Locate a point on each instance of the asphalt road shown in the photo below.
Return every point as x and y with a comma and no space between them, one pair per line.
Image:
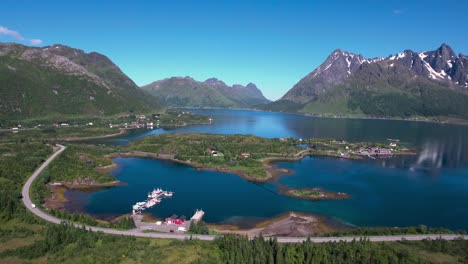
28,203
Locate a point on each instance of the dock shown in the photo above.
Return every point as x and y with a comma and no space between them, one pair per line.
154,198
197,217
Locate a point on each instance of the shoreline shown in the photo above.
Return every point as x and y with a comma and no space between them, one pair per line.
290,224
271,171
74,139
454,121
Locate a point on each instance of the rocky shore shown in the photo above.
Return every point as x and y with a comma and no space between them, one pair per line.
291,224
312,194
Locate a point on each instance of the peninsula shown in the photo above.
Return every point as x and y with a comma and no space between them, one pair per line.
251,157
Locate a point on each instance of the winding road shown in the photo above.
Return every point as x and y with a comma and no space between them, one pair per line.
29,205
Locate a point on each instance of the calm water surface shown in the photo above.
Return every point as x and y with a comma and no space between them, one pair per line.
430,188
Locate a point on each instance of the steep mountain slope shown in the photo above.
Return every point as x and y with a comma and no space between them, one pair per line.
61,80
243,96
407,84
187,92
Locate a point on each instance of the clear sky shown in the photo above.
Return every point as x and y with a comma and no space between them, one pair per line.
270,43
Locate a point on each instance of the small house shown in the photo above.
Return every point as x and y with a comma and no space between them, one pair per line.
245,155
180,220
213,152
171,220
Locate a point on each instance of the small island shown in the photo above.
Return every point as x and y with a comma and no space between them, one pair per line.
312,194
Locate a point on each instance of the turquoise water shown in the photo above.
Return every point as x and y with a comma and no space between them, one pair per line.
430,188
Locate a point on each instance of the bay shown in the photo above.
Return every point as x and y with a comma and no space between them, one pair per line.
430,188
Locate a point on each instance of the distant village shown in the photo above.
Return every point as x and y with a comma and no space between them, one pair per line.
132,122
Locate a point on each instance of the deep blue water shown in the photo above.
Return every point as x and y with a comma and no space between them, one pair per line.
430,188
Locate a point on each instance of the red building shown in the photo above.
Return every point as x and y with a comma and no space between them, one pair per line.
175,220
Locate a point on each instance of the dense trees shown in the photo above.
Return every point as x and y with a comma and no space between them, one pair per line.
199,228
236,249
65,243
17,160
68,244
388,231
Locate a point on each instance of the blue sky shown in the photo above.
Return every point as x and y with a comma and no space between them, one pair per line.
270,43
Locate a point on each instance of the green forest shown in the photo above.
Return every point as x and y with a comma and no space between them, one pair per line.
67,244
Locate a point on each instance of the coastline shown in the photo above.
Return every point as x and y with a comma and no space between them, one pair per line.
74,139
272,175
272,171
455,121
451,121
291,224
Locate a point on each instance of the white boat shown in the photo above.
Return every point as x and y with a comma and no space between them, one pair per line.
155,193
150,203
154,198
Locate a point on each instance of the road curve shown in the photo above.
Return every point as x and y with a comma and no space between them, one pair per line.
28,203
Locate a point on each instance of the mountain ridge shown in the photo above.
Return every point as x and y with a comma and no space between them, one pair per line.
57,79
342,82
187,92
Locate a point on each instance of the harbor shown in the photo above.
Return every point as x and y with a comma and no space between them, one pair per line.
172,224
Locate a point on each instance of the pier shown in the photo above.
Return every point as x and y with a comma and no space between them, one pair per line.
154,198
197,217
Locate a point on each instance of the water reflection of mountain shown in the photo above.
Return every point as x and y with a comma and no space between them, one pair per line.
447,153
433,156
439,145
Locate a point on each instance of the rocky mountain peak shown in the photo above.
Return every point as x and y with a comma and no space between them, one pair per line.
441,65
214,82
237,86
338,67
251,86
446,52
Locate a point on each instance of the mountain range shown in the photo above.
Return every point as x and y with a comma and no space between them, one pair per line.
59,80
187,92
430,83
39,82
